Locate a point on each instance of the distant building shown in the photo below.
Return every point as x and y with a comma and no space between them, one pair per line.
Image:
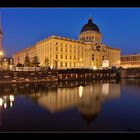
130,61
7,63
63,53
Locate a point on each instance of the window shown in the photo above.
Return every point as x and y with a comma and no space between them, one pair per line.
65,64
61,49
56,64
70,49
93,57
56,56
56,43
61,56
61,64
70,57
66,57
74,50
56,48
74,57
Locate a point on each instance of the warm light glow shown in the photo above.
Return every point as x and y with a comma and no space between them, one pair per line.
5,105
1,101
51,66
94,67
105,89
11,104
80,91
1,53
11,97
105,63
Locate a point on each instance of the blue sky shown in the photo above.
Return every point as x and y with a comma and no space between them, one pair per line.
22,27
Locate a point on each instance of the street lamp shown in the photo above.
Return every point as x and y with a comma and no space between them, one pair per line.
1,53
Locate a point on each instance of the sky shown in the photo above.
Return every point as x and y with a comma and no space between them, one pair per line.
23,27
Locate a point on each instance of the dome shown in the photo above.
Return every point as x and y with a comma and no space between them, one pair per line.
90,26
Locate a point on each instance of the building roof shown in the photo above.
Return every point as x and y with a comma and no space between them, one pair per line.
136,54
90,26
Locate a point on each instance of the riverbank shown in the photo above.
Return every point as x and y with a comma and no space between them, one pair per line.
55,75
130,73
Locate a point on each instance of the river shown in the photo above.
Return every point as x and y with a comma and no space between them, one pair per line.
97,106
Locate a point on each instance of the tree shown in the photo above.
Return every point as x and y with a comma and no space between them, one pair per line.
27,62
19,65
55,63
47,62
35,62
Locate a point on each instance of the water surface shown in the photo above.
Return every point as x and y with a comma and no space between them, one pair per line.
74,106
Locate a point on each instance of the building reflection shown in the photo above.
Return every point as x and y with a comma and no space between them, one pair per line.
7,101
87,98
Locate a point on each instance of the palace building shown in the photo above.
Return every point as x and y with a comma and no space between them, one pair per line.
130,61
62,53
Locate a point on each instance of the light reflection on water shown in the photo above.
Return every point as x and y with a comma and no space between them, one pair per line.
42,107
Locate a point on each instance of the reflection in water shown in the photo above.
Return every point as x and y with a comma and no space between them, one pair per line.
7,101
86,98
80,91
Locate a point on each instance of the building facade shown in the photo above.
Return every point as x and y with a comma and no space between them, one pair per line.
130,61
62,53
